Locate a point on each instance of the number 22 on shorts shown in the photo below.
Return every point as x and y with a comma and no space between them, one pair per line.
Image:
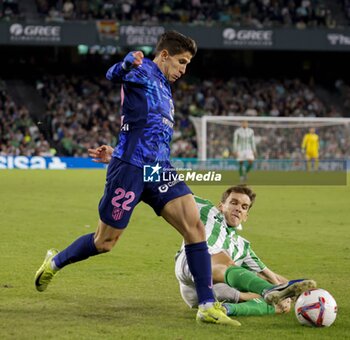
128,197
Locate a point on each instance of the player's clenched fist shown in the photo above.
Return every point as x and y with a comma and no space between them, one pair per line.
132,59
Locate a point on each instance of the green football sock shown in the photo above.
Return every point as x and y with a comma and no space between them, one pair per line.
248,167
245,281
254,307
240,169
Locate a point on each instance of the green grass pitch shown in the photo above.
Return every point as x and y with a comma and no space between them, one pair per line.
132,293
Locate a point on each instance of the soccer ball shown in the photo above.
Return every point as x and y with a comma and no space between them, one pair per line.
316,308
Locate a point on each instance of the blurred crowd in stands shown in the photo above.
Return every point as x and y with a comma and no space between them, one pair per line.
81,113
251,13
251,97
84,112
254,13
9,10
344,92
19,134
346,5
240,97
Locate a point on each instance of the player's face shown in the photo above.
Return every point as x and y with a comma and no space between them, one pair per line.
235,208
174,66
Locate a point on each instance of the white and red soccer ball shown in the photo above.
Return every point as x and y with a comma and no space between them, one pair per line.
316,308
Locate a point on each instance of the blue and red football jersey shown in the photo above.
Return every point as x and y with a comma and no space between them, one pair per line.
147,114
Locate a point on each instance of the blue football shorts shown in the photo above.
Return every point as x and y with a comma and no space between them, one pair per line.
125,188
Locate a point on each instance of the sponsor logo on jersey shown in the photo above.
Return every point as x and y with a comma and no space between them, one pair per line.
165,187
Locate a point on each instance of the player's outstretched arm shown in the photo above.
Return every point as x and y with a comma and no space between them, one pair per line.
272,277
132,60
102,154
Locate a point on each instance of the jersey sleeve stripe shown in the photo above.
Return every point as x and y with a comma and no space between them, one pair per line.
214,234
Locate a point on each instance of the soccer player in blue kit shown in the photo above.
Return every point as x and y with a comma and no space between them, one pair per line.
146,131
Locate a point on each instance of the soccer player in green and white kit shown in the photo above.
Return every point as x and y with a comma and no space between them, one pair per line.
233,210
234,263
244,149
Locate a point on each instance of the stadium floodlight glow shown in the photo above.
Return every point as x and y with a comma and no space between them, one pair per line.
111,49
83,49
147,50
218,131
98,49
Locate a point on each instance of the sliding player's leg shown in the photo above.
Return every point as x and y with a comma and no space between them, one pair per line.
236,303
246,281
254,307
222,293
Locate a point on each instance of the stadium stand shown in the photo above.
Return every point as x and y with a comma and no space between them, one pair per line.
19,135
9,10
83,112
77,124
344,91
93,119
256,13
346,6
253,97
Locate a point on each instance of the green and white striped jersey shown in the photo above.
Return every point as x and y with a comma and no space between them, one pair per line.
221,237
243,140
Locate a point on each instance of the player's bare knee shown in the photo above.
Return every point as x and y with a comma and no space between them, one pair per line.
101,246
106,237
104,245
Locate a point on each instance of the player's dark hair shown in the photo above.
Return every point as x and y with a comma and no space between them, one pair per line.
176,43
239,189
